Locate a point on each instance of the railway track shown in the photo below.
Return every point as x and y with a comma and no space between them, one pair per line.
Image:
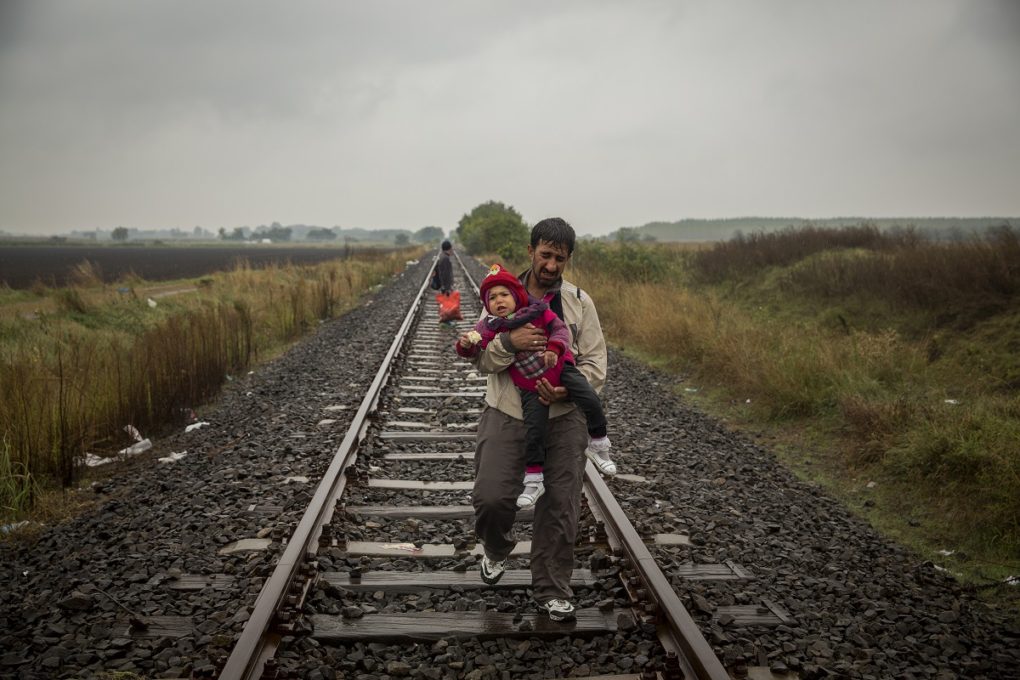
406,464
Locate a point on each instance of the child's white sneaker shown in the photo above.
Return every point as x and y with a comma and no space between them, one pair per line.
598,454
534,487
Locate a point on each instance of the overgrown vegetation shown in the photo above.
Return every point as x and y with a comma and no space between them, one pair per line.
102,357
900,354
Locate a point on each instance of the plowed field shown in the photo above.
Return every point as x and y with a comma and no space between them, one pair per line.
21,266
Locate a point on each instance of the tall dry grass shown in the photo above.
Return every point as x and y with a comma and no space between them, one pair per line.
878,393
72,379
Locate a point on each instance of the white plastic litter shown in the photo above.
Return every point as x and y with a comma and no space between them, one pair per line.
946,553
93,460
152,303
1012,581
8,528
173,457
690,389
133,431
871,485
297,479
951,401
195,426
410,547
134,449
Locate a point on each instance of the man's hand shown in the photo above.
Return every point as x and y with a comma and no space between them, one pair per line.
547,394
527,338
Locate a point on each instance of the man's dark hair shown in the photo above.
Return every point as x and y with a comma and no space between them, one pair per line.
553,230
447,245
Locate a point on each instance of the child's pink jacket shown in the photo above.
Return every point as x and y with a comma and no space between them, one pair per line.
528,366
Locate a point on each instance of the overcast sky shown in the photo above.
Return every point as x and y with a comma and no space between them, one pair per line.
389,114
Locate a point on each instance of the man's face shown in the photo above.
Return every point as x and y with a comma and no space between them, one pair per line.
548,260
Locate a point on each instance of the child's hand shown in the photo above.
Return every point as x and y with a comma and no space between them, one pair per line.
464,341
550,358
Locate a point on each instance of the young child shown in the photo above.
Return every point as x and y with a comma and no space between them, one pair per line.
508,307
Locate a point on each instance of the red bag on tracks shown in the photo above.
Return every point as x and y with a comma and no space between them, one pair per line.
449,306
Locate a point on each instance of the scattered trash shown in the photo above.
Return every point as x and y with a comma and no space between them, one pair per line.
871,485
245,544
152,303
195,426
326,422
1012,580
410,547
92,460
951,401
411,263
8,528
690,389
173,457
143,445
133,431
229,378
748,401
945,553
251,372
299,479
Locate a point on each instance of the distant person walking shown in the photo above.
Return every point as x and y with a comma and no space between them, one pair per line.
445,269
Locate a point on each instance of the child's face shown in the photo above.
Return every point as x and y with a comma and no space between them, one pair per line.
501,302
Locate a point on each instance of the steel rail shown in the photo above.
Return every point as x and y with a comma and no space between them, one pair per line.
677,630
246,659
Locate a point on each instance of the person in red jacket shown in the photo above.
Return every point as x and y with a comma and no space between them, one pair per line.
509,307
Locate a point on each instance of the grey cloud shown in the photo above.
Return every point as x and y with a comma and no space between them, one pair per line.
401,114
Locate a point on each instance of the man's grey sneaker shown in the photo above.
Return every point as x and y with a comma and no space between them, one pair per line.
534,487
492,570
559,610
598,454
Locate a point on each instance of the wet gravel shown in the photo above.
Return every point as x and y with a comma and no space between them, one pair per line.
860,607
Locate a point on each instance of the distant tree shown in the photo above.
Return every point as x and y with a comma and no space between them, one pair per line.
493,228
276,232
627,235
223,233
402,239
320,234
236,235
428,235
119,234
